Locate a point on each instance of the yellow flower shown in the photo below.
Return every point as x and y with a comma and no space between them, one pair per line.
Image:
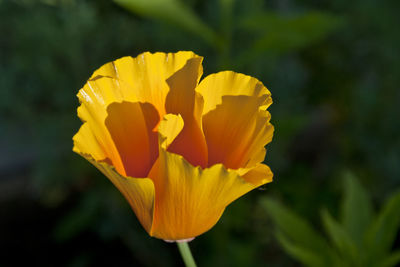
180,151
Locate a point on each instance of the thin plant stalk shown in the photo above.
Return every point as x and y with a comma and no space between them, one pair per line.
186,254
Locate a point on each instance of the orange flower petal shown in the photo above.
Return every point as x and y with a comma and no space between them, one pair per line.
85,142
182,99
93,138
131,126
234,142
214,86
139,192
257,175
235,123
146,74
189,200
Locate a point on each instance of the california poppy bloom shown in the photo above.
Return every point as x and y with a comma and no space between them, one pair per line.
179,149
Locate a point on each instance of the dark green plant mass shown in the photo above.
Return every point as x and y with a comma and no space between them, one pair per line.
362,236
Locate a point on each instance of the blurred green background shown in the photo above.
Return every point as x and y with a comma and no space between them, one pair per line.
333,68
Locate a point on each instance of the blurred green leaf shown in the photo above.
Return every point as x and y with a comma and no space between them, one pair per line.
308,257
285,33
355,242
296,229
226,14
340,238
226,31
356,209
391,260
172,11
382,233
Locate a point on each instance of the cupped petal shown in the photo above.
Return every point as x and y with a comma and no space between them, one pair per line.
146,74
189,200
97,94
170,127
139,192
182,99
215,86
124,135
235,121
182,84
257,175
93,138
132,128
86,143
236,132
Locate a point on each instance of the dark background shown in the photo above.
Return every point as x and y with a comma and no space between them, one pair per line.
333,68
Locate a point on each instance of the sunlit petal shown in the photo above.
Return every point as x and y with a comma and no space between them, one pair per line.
93,138
226,83
139,192
257,175
190,200
146,74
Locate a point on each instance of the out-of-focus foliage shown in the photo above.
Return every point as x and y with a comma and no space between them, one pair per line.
172,11
333,68
360,238
295,31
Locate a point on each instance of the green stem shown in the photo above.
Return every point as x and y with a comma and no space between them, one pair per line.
186,254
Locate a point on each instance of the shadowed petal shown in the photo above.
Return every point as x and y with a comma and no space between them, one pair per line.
182,99
118,133
132,128
237,131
